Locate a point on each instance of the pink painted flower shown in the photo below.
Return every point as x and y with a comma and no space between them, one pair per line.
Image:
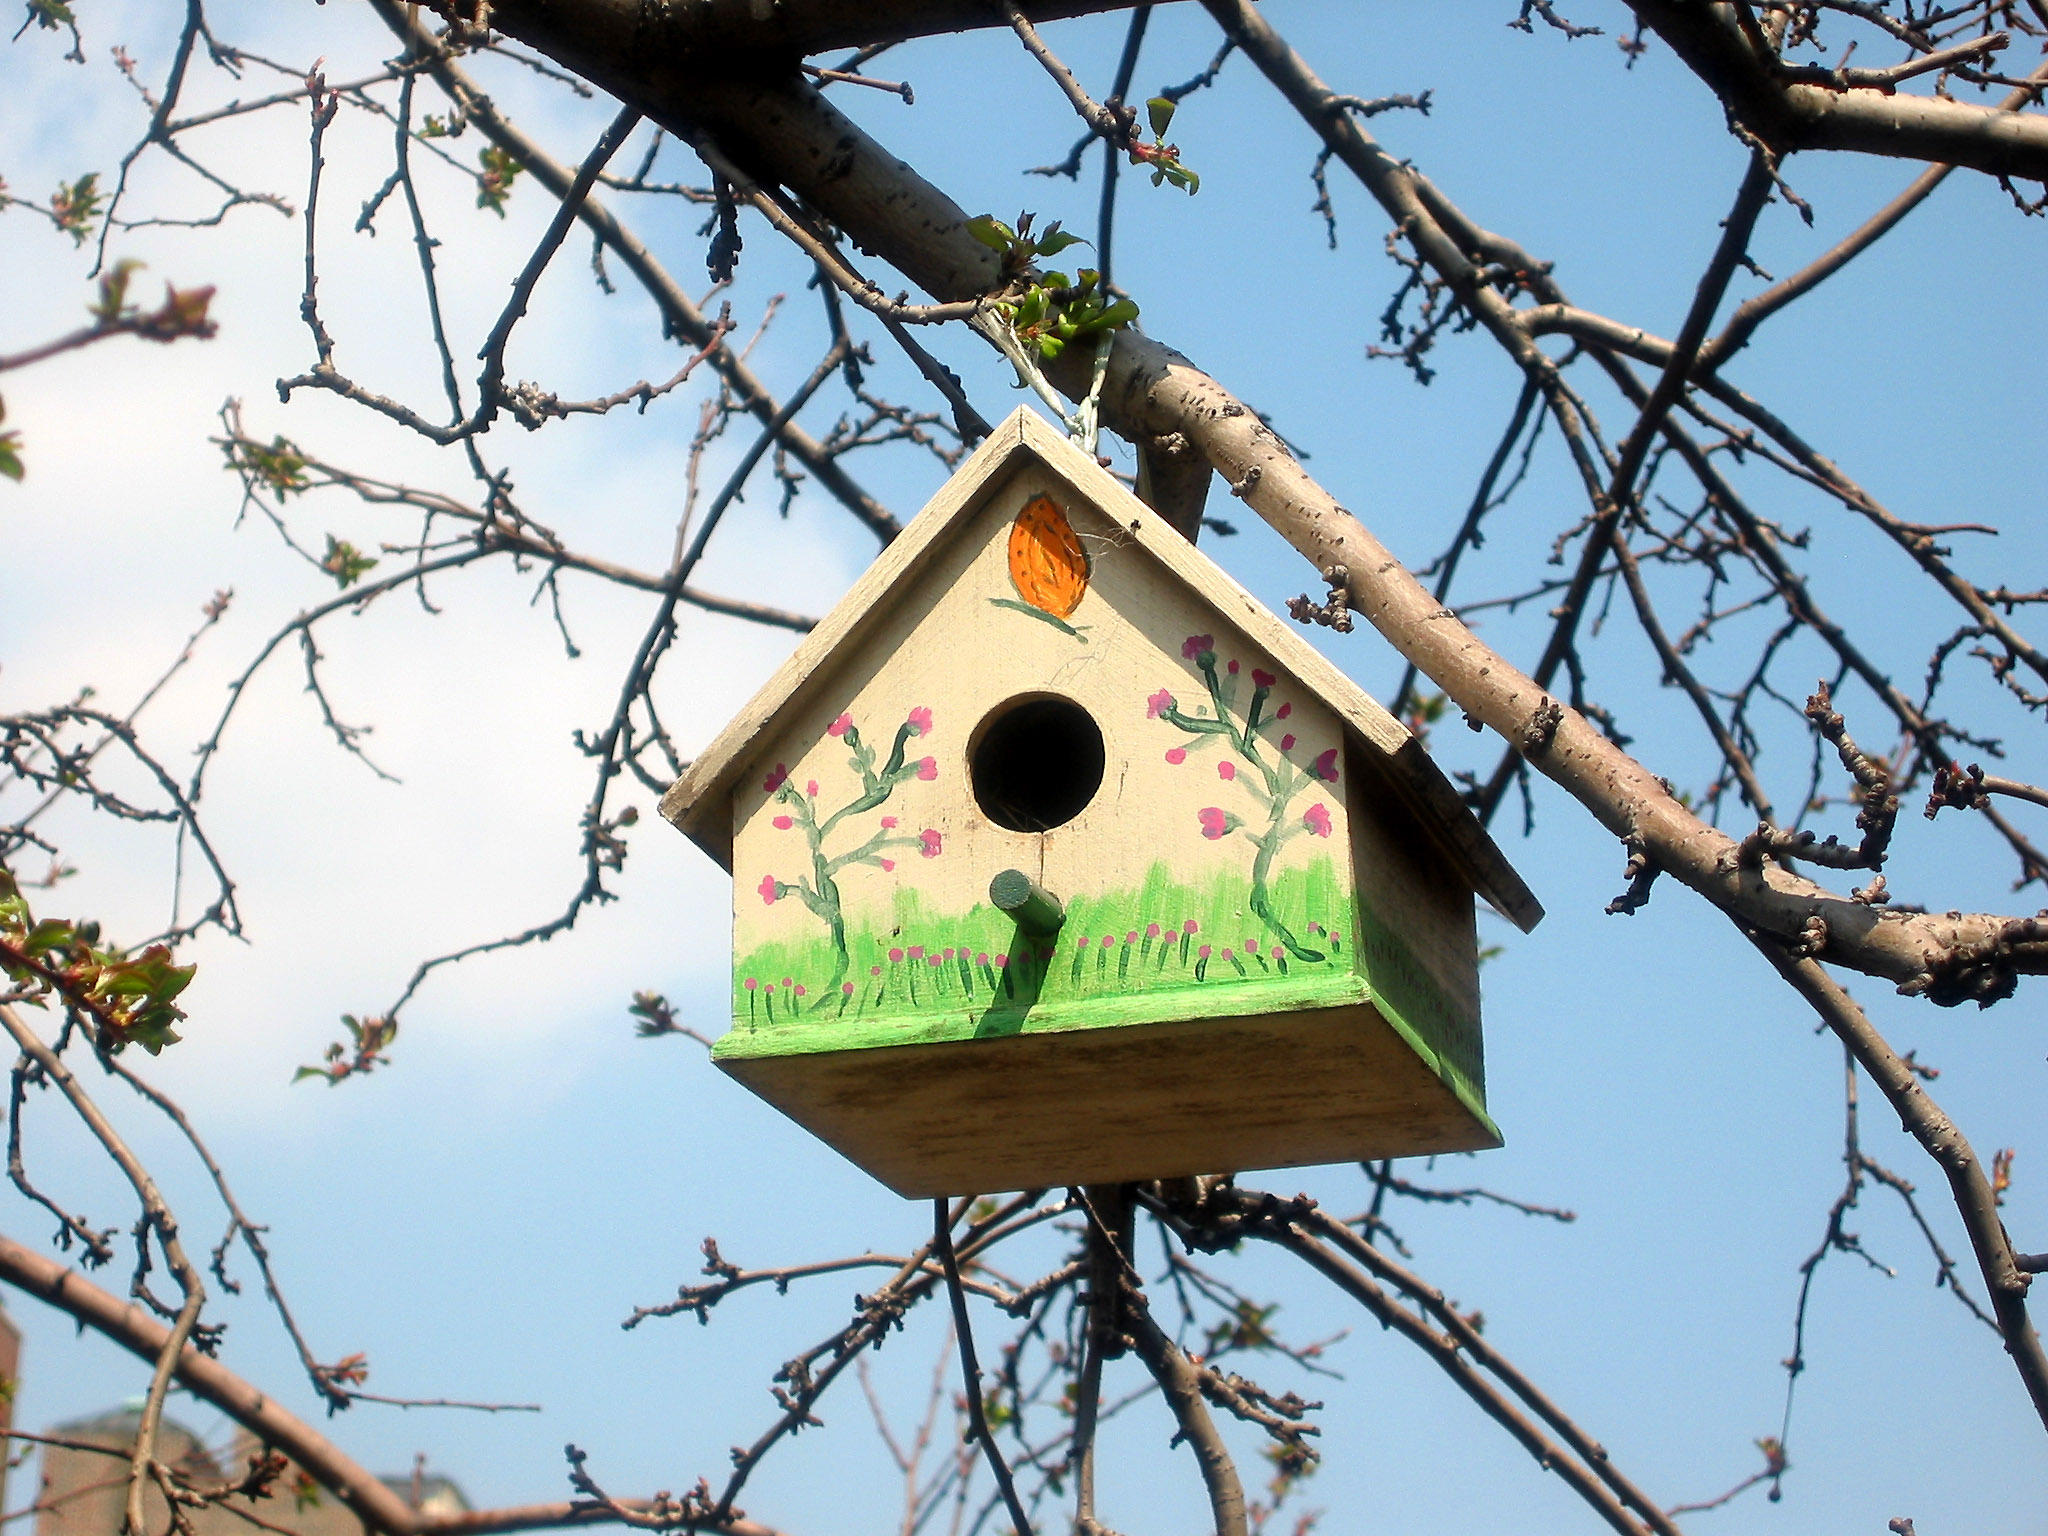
1232,669
768,890
928,843
798,988
1277,952
917,951
933,960
927,768
777,777
1194,645
920,721
1082,942
949,951
1283,711
787,983
888,823
753,982
1151,930
1226,769
1251,946
1002,962
811,788
1287,742
1131,937
1158,704
846,987
981,959
1216,822
887,865
1108,939
1326,765
895,956
1202,953
1262,678
876,970
783,823
1191,926
1176,755
1317,819
840,726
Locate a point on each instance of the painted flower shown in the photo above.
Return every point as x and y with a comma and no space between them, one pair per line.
753,983
895,956
1224,770
1251,946
1131,937
1158,704
920,721
840,726
1317,819
783,823
1002,962
917,951
846,987
1232,668
1108,939
888,823
1202,953
1326,765
1176,755
874,970
798,989
981,959
1218,823
1287,742
768,889
811,788
1151,930
927,768
887,865
777,777
1194,645
1283,711
1263,679
928,843
1191,926
933,960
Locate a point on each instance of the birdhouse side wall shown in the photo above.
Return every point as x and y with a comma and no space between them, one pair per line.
1209,874
1417,931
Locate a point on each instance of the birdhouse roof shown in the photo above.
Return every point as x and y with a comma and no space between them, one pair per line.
700,802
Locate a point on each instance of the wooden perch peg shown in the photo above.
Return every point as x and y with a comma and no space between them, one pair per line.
1035,908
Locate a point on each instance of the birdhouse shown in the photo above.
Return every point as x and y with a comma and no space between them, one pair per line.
1058,859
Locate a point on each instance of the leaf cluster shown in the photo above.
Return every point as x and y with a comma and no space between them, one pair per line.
129,1000
1051,309
368,1040
1162,157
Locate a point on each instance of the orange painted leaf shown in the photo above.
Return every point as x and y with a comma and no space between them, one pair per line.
1047,561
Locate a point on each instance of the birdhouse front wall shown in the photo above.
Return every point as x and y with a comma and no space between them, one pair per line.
1207,874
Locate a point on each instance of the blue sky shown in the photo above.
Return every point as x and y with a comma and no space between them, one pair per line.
478,1218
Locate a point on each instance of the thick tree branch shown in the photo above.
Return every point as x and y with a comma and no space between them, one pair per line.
377,1506
1788,115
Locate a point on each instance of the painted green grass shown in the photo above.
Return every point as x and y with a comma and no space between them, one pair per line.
1165,950
1164,936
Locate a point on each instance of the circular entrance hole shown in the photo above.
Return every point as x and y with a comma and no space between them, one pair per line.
1035,762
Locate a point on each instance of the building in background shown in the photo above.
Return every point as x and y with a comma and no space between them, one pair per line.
83,1489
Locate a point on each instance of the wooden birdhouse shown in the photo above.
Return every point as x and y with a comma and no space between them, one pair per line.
1059,859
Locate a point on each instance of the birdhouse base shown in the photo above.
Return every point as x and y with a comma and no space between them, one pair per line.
1140,1101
